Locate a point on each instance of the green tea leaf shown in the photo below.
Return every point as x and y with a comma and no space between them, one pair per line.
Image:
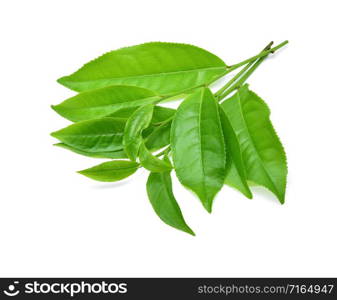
98,103
137,122
159,137
111,171
162,67
159,191
262,151
198,146
112,154
236,173
99,135
151,162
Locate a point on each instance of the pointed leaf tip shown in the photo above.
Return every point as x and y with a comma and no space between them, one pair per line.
61,80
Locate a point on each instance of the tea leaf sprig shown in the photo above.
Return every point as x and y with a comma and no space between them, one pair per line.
211,139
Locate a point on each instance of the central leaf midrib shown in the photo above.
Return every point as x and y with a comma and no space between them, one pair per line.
201,152
93,134
110,170
150,75
112,104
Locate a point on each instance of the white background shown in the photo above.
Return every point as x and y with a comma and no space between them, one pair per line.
54,222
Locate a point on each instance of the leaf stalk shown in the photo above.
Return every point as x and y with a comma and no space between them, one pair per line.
253,58
249,62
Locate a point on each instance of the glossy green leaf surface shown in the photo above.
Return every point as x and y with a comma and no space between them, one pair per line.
111,171
236,174
151,162
198,146
165,68
160,113
159,137
159,191
100,135
111,155
137,122
262,151
99,103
